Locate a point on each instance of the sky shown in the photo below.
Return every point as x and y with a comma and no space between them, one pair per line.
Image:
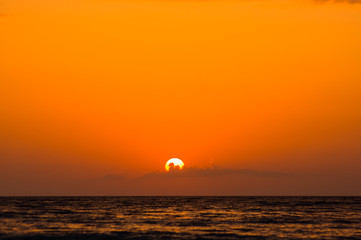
257,97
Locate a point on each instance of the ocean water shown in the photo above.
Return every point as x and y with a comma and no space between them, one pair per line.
180,217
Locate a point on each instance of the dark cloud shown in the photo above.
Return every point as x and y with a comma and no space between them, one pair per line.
212,171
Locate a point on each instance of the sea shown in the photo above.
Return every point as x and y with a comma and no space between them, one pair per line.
180,218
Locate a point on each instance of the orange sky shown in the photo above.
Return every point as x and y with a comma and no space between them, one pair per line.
90,89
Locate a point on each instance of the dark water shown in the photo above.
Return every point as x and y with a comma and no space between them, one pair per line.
180,217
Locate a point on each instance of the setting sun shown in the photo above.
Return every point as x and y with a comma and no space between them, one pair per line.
258,98
174,163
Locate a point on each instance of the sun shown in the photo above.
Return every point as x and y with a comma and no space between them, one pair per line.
174,163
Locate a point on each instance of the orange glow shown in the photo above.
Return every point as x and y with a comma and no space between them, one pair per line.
174,163
96,87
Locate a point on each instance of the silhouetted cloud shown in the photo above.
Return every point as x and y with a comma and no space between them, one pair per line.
212,171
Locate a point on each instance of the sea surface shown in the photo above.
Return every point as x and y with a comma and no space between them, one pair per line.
180,218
